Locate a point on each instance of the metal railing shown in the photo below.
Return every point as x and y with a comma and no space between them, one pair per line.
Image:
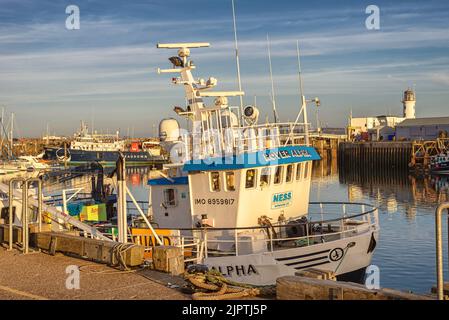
317,232
25,218
439,248
201,241
239,140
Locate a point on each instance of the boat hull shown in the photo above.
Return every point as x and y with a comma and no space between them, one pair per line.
347,257
104,157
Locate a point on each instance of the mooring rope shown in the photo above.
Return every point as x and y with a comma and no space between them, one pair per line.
221,288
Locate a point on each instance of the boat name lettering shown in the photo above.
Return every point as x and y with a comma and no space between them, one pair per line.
285,154
241,270
281,200
215,201
279,197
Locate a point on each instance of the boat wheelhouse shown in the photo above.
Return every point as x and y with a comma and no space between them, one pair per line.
236,194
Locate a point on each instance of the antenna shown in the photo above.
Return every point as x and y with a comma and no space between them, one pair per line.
239,81
273,95
1,132
182,45
303,98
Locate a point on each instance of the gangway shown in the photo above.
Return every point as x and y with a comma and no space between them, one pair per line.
56,214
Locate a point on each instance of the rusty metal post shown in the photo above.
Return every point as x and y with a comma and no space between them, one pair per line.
439,249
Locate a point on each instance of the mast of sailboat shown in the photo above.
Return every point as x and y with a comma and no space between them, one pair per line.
239,81
273,95
2,128
48,133
303,98
11,139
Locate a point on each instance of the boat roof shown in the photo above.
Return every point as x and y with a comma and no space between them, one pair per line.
423,122
165,181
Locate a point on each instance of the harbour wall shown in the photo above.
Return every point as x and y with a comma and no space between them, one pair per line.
375,155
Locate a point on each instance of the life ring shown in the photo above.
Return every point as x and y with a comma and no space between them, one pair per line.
62,158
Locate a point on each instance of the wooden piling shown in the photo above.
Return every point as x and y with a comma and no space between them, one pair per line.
375,155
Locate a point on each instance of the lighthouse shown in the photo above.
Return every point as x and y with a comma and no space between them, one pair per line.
409,102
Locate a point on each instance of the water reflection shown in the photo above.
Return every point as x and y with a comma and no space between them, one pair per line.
56,181
407,203
394,190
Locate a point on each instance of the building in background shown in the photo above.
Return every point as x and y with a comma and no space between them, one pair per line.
423,128
382,127
409,102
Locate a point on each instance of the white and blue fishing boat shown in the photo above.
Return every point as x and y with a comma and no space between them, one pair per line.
236,194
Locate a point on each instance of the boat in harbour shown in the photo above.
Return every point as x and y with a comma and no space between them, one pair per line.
235,196
102,148
439,164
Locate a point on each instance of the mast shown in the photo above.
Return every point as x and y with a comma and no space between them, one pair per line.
11,139
2,128
239,81
48,133
303,98
273,95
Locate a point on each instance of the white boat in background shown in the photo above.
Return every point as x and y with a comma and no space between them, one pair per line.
32,163
236,195
22,163
11,166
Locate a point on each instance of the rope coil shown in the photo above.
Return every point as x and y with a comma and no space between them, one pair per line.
221,288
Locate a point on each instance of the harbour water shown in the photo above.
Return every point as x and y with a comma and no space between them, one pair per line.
405,253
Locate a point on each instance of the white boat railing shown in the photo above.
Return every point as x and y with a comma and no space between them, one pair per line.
206,242
239,140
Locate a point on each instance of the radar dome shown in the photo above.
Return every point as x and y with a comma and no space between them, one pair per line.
169,130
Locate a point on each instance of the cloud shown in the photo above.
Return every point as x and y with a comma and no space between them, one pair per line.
112,59
440,78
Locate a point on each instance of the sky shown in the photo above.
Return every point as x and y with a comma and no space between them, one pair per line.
105,72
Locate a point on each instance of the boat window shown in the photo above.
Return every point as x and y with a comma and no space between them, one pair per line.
306,170
170,198
289,174
250,179
230,181
298,171
265,176
215,181
278,175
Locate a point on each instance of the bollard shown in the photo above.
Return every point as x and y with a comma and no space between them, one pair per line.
439,249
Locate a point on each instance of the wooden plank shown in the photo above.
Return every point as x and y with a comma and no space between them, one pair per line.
303,288
168,259
16,233
317,274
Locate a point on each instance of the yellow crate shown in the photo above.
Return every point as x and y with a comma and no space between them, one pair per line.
95,212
